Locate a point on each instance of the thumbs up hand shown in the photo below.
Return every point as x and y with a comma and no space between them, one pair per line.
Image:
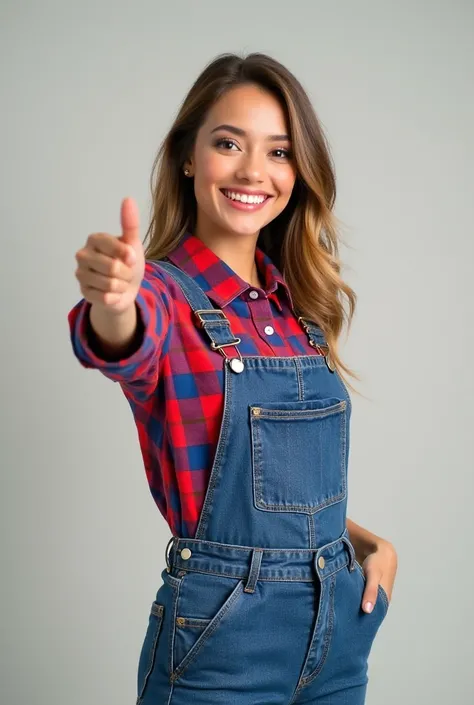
110,268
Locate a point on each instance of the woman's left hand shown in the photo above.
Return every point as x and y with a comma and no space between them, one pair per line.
379,567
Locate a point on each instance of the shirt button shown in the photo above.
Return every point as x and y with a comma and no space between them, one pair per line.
269,330
253,294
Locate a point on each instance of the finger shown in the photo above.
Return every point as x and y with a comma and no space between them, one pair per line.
96,296
130,222
111,246
101,281
369,597
94,261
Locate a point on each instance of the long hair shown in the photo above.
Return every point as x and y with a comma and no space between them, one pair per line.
303,240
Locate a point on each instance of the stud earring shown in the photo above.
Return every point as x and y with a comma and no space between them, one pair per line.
186,172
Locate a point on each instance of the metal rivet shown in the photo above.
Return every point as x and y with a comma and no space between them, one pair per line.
321,562
256,411
185,554
180,621
236,365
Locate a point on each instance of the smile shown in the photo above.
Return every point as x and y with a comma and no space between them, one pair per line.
245,201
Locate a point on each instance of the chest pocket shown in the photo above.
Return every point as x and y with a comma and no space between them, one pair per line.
299,454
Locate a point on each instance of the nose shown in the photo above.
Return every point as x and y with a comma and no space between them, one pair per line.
251,168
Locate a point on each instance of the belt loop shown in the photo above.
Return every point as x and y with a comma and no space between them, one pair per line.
257,554
167,553
352,560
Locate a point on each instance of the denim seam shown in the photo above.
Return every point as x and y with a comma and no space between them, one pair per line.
207,633
153,646
327,638
300,380
243,577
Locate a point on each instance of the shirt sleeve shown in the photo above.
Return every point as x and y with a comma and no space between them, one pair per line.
140,369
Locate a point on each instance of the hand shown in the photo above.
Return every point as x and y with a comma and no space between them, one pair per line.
110,269
380,567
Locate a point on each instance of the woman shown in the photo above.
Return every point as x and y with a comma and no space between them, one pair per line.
223,336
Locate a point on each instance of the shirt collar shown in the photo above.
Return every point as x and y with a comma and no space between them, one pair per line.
218,281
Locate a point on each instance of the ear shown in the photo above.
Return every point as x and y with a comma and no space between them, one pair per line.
188,166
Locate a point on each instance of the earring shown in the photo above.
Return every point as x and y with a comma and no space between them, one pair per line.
186,172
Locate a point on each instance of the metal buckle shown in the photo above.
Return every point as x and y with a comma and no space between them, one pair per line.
301,321
225,345
208,310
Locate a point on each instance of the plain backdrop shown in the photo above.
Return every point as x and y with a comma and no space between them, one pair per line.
88,90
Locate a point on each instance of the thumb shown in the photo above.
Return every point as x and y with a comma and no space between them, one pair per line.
130,222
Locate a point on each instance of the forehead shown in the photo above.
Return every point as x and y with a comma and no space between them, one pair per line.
249,107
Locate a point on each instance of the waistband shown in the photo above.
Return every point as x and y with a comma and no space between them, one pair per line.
255,563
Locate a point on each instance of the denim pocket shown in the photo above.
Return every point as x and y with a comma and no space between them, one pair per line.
299,454
148,651
382,597
203,603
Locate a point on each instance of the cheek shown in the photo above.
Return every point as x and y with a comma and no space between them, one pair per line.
212,169
285,184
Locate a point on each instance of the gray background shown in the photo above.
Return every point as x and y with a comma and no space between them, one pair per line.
88,91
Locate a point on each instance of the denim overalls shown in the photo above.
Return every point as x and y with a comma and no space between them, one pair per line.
263,605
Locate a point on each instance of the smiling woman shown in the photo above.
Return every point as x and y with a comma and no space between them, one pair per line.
248,158
223,335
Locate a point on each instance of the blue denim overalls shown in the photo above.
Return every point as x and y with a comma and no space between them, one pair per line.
263,605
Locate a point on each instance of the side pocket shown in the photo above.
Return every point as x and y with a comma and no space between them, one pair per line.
148,652
382,597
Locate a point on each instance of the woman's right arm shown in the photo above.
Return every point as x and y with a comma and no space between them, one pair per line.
120,325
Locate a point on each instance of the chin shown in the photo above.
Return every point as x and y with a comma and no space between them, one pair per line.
240,227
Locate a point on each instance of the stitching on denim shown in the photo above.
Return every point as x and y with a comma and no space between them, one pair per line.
208,631
243,577
191,622
174,609
257,455
311,531
158,616
327,637
295,414
300,380
267,550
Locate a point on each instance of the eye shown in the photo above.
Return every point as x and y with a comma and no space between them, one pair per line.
285,153
224,142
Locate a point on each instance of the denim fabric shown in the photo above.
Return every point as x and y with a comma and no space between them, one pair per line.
263,605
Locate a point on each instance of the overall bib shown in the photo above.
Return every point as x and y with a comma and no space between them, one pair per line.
263,605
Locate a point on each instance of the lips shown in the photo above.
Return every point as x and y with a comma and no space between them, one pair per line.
237,204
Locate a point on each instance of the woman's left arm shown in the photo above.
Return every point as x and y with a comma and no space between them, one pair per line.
379,560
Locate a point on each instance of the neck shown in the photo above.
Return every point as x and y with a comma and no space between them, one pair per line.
238,252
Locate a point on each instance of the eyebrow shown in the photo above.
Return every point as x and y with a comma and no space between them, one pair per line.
241,133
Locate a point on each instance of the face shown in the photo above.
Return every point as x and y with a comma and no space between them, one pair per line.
242,165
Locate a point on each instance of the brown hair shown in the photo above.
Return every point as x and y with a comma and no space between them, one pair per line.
303,240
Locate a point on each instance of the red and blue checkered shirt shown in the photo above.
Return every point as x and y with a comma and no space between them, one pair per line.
174,382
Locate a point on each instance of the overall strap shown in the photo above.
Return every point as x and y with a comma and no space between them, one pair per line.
211,319
216,325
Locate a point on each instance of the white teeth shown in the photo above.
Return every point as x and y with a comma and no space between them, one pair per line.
243,197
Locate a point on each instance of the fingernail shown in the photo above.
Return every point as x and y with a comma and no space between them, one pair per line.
368,607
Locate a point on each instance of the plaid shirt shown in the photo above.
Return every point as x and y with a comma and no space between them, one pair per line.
174,382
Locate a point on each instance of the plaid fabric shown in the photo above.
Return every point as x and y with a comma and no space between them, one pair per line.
174,382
